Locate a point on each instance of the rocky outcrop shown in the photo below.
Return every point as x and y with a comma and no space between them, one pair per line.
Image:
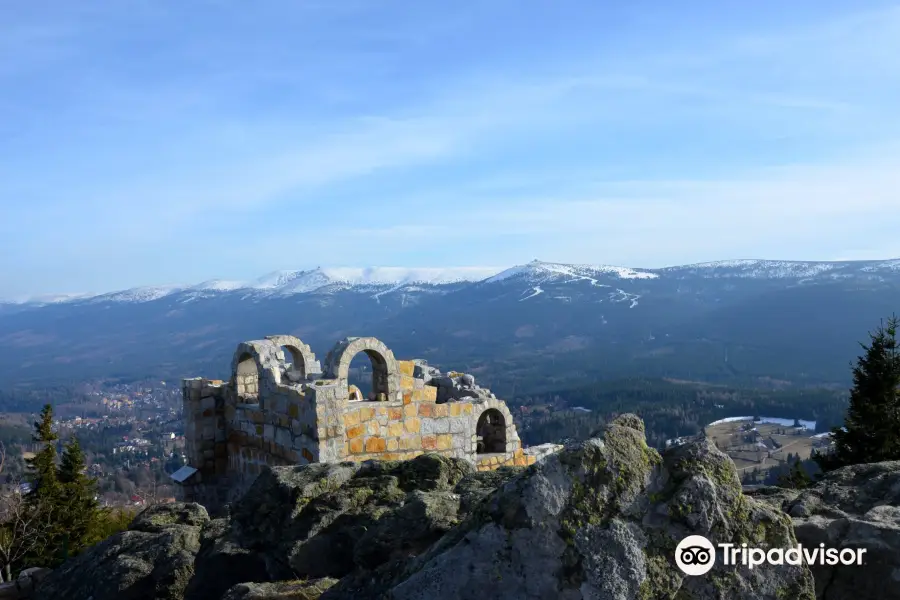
853,507
598,520
601,520
23,587
153,560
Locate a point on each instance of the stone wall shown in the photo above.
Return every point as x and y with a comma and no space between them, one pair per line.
279,412
205,432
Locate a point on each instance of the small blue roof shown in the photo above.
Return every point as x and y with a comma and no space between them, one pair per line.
183,474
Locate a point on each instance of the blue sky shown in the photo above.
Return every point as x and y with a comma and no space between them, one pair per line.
162,141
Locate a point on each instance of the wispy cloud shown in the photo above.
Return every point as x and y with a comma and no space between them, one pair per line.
243,134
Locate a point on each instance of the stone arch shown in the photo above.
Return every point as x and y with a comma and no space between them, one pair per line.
303,359
246,376
385,370
490,432
254,366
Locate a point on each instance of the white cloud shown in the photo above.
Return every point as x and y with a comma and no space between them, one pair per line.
195,168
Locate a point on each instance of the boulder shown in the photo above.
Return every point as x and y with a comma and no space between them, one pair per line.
408,530
280,590
131,565
477,486
599,519
29,579
222,562
853,507
158,517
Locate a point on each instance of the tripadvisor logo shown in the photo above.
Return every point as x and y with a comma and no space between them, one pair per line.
696,555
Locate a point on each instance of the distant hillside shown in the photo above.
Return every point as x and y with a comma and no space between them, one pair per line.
536,326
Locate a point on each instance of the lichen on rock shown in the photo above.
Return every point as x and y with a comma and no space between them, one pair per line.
599,519
856,507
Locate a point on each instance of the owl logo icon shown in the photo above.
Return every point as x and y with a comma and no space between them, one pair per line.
695,555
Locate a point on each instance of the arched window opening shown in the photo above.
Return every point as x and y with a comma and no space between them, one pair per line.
491,432
247,378
369,377
294,363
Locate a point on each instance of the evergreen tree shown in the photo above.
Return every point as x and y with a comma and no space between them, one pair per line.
796,478
78,496
42,502
871,431
42,468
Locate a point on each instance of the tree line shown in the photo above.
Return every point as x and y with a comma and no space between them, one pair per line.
54,514
669,409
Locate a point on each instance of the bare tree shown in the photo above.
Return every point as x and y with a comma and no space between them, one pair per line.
152,492
24,528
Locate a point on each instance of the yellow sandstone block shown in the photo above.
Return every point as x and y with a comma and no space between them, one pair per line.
395,414
381,411
355,432
351,419
441,410
444,441
426,410
366,414
429,442
356,446
411,443
410,410
455,409
395,429
407,382
393,444
375,445
412,425
407,367
467,408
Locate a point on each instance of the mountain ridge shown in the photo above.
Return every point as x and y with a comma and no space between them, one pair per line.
289,282
538,325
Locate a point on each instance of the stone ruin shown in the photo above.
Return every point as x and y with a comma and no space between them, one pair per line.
282,408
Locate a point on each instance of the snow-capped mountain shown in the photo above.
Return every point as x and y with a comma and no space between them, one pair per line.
286,283
780,269
376,280
542,271
786,320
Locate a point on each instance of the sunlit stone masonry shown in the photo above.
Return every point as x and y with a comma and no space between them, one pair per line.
282,408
